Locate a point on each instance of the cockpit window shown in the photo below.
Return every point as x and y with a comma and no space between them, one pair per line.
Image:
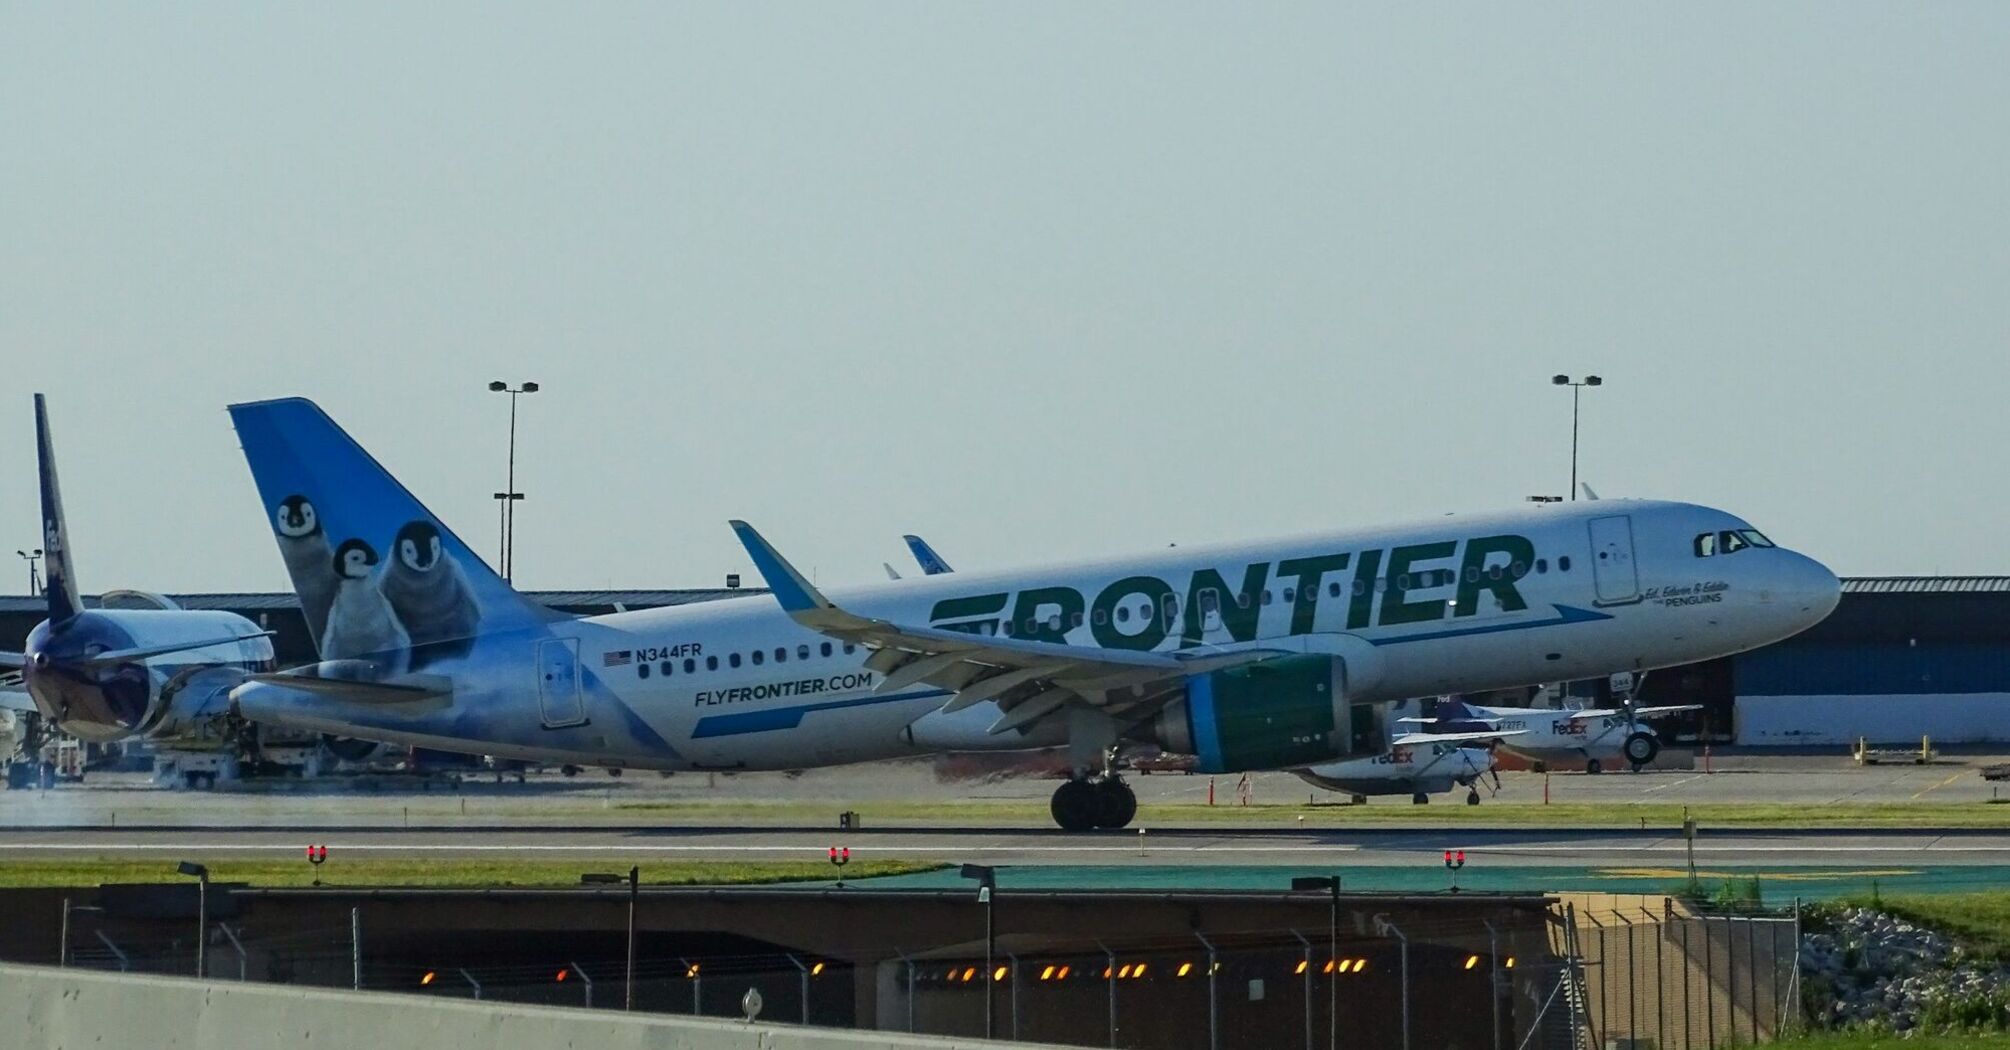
1706,545
1731,542
1755,537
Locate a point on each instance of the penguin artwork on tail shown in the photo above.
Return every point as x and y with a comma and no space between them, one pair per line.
361,622
309,559
430,594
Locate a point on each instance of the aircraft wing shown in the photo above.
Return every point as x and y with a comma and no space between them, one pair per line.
1427,721
14,692
1027,679
1419,739
1638,712
13,661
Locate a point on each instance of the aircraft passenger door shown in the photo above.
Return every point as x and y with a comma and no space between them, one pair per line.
1616,578
558,683
1208,604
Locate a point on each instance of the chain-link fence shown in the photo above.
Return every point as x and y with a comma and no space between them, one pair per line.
1676,979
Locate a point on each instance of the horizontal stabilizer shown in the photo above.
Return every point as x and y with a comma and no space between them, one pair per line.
403,689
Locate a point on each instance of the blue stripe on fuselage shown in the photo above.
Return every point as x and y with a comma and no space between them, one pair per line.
775,718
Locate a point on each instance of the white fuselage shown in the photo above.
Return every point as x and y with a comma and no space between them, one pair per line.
1462,603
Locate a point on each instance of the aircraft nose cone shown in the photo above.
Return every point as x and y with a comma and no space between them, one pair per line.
1813,590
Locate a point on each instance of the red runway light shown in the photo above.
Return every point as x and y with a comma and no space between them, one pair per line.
560,977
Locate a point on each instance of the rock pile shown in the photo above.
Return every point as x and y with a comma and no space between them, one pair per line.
1884,971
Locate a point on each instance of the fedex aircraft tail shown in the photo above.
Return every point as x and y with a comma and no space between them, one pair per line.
378,576
59,576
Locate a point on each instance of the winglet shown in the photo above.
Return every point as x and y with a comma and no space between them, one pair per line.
931,563
59,578
796,594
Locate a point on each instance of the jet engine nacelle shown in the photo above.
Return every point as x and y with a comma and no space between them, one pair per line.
1282,713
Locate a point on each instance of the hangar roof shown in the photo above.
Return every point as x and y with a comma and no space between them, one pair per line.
16,603
1926,585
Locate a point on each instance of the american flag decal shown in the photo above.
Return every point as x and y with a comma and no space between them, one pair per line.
617,658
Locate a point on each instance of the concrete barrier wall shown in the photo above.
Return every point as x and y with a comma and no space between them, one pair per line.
51,1008
1950,718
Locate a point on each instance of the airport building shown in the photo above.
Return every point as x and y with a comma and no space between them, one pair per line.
1901,657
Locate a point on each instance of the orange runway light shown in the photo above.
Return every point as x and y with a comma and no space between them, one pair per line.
1063,975
427,979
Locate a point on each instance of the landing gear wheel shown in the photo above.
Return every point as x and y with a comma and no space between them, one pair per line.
1641,748
1116,804
1419,799
1594,767
1472,796
1075,806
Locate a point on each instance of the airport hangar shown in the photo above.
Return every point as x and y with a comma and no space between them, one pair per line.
1901,657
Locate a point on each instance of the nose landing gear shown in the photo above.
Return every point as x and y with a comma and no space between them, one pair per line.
1084,805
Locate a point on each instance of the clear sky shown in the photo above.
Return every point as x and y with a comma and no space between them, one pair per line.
1032,280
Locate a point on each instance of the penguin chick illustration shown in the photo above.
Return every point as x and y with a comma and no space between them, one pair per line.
309,561
361,623
430,594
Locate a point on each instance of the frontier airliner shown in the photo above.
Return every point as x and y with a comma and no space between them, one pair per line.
1248,656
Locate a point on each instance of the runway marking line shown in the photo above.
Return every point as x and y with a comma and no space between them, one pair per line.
1940,785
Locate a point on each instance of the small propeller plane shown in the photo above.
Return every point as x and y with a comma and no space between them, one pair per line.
1419,764
1590,736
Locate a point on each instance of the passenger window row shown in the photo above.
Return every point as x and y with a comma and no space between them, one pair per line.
758,657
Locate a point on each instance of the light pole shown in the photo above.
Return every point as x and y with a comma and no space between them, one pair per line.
509,496
201,914
987,886
1576,388
634,880
1331,884
34,576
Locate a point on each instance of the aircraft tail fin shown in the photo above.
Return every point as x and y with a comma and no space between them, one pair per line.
59,577
378,574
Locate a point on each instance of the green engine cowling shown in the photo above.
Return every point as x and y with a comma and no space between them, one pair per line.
1281,713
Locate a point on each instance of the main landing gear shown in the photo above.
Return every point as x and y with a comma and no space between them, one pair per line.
1084,805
